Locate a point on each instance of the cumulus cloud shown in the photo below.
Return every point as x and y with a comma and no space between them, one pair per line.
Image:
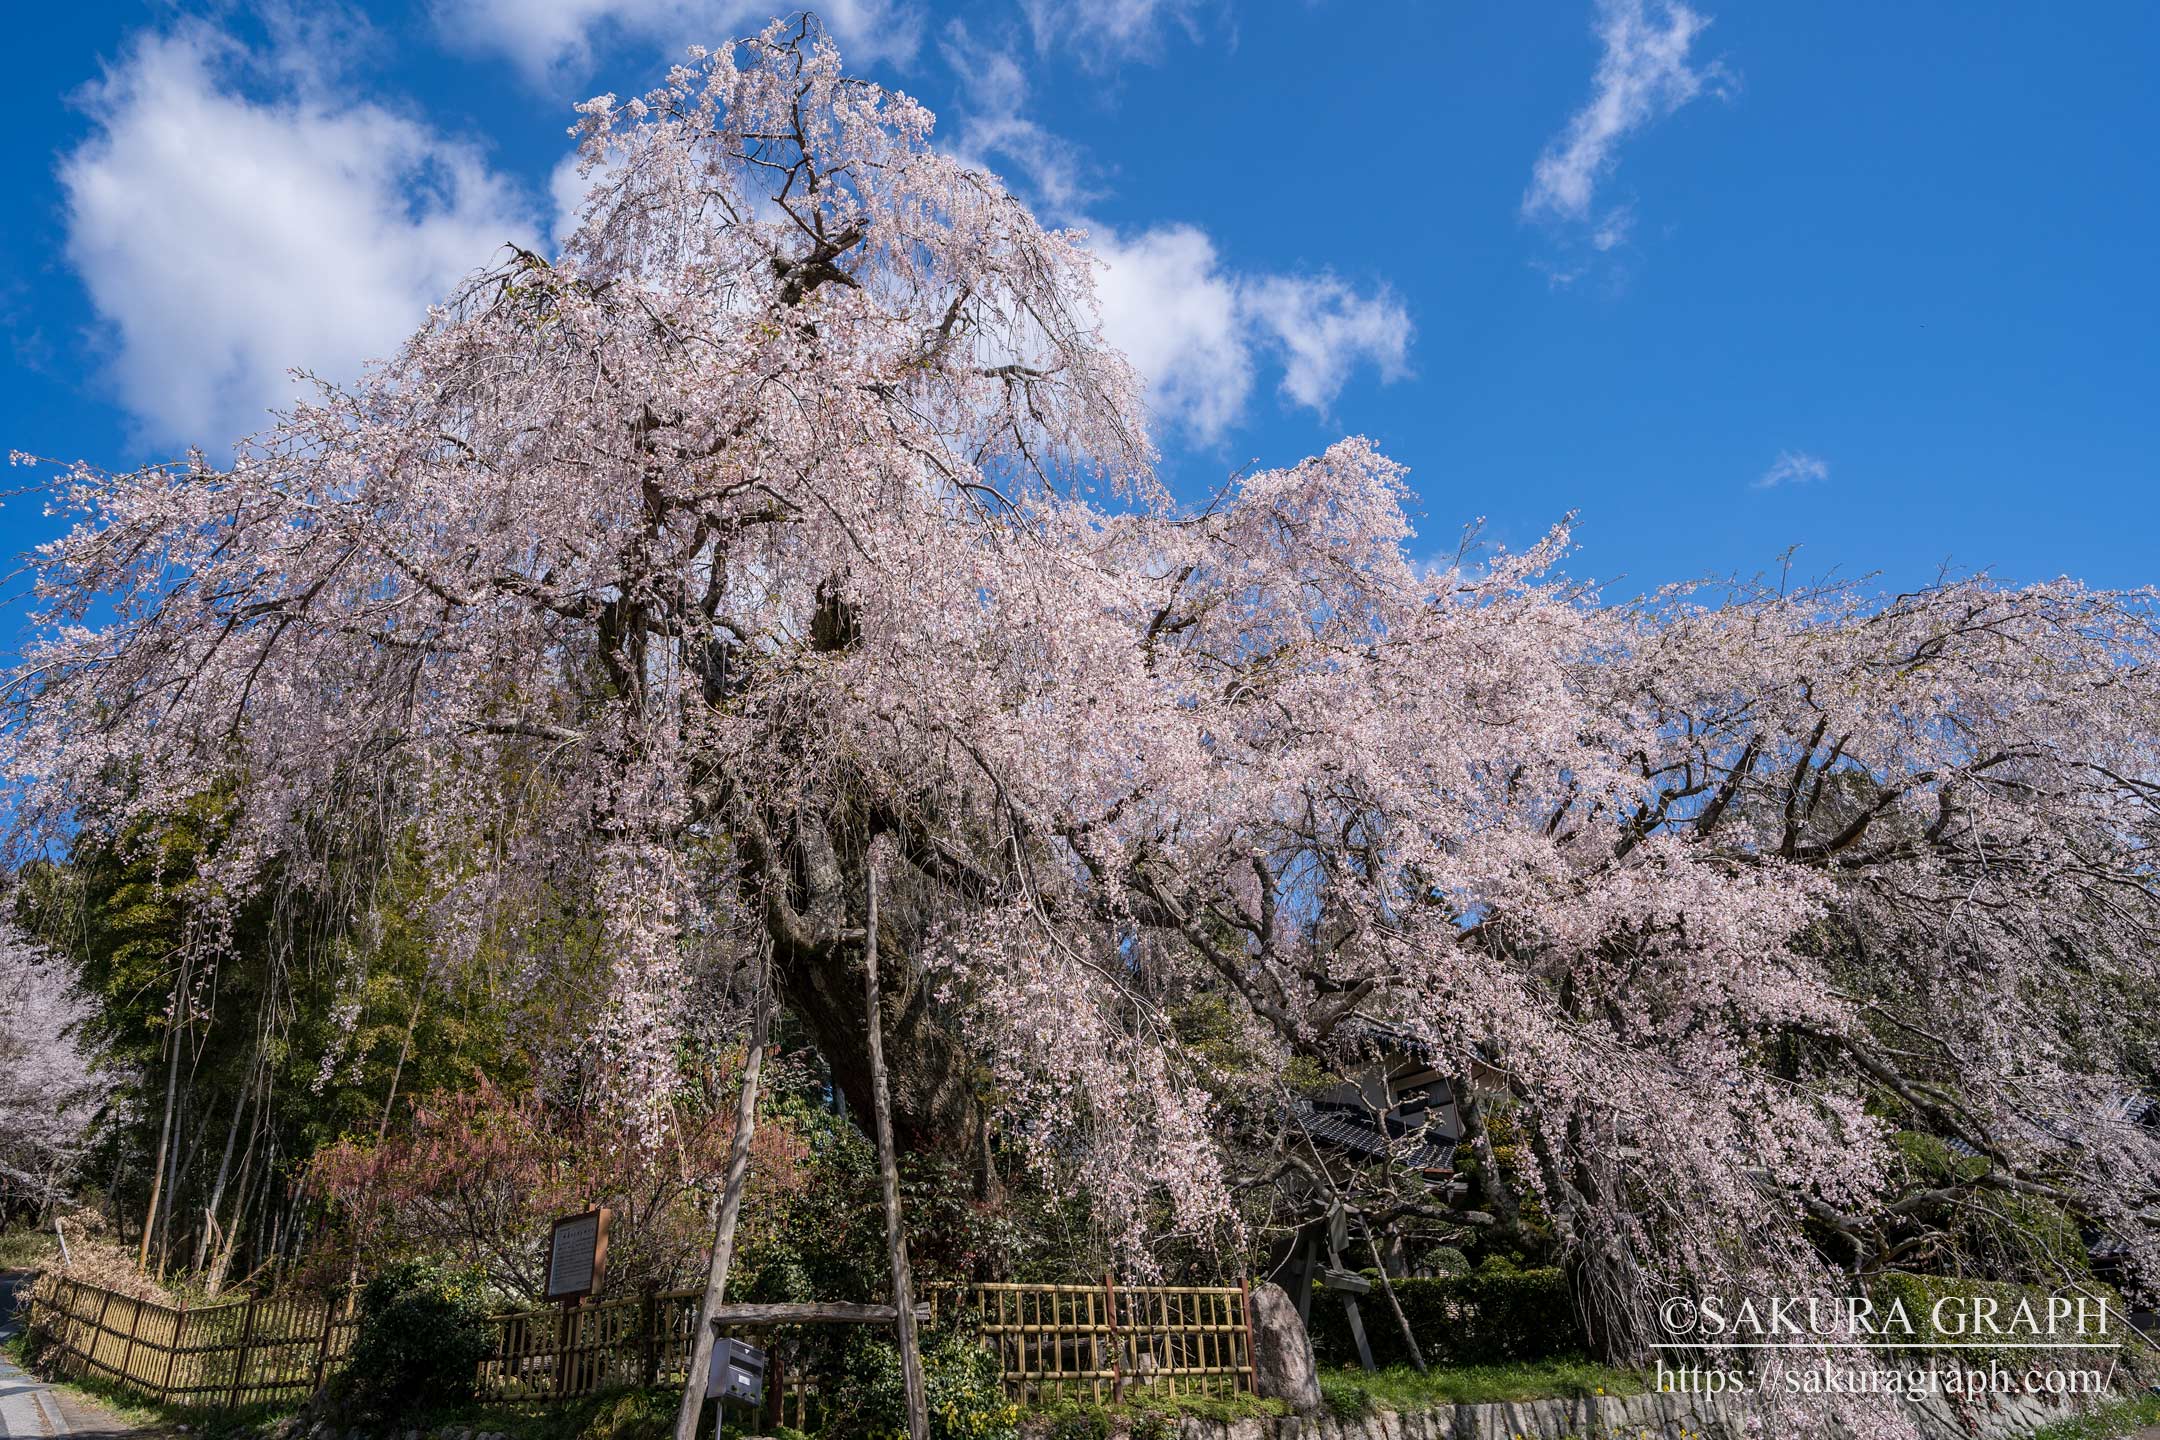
1643,75
1199,331
554,39
225,238
1103,32
1793,467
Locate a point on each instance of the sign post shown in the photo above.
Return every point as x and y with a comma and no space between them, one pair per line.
576,1266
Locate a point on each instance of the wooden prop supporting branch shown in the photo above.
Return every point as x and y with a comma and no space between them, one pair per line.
918,1403
1387,1287
738,1166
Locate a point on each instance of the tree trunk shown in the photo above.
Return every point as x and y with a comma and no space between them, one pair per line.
723,1252
911,1377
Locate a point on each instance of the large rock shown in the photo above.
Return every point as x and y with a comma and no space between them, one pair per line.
1283,1365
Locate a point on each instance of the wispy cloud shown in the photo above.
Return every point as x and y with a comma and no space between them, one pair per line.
225,235
1793,467
991,123
1643,75
553,40
1104,32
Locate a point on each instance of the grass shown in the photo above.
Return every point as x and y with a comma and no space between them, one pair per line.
27,1249
1147,1414
1354,1393
2106,1423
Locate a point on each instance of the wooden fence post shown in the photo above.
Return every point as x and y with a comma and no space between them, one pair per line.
322,1350
649,1336
1252,1355
97,1333
775,1386
1117,1351
127,1356
239,1374
172,1352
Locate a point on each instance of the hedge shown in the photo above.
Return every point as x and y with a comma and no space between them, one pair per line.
1483,1319
1918,1295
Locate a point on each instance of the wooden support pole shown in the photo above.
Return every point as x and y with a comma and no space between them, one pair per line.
738,1166
918,1402
1387,1288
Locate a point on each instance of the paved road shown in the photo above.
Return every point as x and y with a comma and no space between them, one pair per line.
32,1410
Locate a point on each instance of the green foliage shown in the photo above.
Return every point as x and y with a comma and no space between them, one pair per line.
824,1238
1076,1420
960,1380
1353,1394
1492,1317
26,1249
631,1415
423,1333
1920,1294
293,1036
1151,1401
2105,1423
1148,1413
1446,1259
1930,1158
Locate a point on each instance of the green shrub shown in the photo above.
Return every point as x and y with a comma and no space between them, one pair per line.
423,1332
961,1380
1919,1294
1490,1317
632,1415
1077,1420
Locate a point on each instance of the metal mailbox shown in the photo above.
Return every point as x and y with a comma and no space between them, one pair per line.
738,1372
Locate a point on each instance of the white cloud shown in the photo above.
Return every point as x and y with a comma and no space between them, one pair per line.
1643,75
1105,31
226,239
1198,332
1325,330
1614,229
1168,305
992,121
554,39
1793,467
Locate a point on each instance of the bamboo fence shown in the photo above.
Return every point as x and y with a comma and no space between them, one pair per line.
225,1356
1052,1342
1055,1341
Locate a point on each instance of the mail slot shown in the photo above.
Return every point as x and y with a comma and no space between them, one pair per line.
738,1372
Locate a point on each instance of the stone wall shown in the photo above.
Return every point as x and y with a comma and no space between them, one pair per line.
1613,1417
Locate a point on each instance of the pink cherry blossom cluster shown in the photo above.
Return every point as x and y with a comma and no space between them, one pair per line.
799,499
51,1082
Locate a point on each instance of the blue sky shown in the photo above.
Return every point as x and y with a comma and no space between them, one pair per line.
1872,280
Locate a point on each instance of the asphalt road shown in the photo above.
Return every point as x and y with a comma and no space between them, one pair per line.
31,1408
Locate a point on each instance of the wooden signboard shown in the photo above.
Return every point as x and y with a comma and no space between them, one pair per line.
577,1254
